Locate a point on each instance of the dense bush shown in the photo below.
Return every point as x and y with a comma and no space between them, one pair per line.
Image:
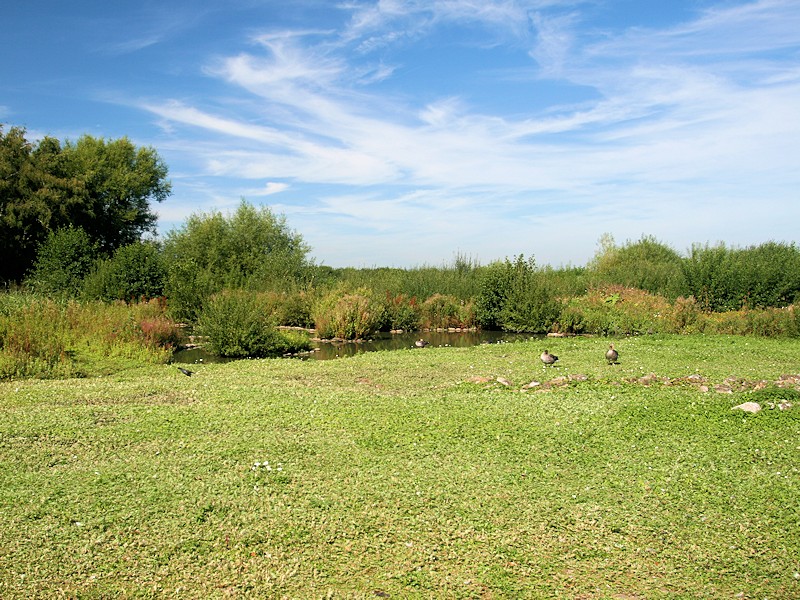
459,279
515,296
239,324
62,262
646,265
402,313
348,315
726,279
135,272
250,249
615,310
444,312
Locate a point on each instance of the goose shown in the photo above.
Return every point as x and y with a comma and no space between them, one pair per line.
420,343
186,372
547,358
612,355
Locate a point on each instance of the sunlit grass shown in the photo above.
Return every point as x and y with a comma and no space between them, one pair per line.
408,473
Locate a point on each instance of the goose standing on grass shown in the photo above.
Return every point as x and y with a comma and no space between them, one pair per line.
186,372
612,356
420,343
548,359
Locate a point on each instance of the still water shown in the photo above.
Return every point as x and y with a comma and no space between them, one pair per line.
398,341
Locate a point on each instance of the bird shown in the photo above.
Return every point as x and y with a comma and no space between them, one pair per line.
612,355
186,372
420,343
547,358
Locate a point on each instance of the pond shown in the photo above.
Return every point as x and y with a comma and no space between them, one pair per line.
384,341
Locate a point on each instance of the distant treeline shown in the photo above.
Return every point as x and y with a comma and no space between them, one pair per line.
75,218
252,251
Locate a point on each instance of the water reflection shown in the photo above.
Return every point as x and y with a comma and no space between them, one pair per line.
400,341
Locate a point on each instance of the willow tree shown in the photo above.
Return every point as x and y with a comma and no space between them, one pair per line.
103,187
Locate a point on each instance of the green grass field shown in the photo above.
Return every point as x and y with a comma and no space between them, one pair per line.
411,474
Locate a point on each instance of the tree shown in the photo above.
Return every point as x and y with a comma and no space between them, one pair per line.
102,187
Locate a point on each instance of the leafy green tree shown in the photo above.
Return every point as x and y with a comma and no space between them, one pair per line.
102,187
250,249
119,182
62,262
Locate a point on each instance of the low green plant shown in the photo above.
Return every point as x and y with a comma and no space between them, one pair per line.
34,341
615,310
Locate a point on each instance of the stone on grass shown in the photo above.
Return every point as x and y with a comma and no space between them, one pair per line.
750,407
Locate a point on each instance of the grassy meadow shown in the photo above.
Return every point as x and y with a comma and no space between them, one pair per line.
411,474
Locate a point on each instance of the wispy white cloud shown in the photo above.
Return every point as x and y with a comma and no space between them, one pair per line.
689,120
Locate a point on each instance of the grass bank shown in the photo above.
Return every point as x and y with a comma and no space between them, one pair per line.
410,474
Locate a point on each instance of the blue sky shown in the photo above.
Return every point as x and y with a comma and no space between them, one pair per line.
405,132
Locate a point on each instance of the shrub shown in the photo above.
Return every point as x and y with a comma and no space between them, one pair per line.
402,313
348,316
646,264
43,338
133,273
251,248
516,297
62,261
293,308
444,312
615,310
769,322
237,325
34,341
685,316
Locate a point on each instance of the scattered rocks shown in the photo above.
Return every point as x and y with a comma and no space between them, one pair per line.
730,385
788,381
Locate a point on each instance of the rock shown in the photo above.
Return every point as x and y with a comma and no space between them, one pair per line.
531,385
721,388
648,379
503,381
578,377
750,407
555,382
